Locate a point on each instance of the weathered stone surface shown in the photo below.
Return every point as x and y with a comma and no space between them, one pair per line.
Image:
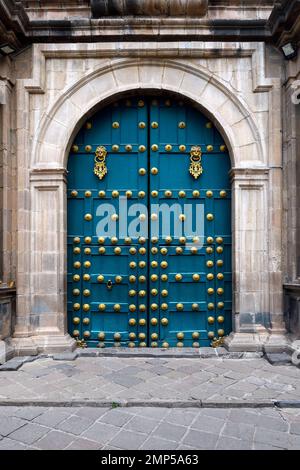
158,8
29,433
278,359
209,429
66,356
15,363
55,440
75,425
88,352
10,424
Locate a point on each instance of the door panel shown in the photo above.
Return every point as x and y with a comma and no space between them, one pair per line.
148,287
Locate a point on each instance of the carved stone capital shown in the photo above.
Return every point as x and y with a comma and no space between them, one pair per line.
192,8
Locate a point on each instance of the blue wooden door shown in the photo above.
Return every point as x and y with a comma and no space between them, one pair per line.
149,237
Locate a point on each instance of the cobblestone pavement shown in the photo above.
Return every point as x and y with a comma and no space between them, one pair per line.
148,428
142,380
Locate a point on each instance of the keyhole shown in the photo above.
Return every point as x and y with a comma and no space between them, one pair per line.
109,285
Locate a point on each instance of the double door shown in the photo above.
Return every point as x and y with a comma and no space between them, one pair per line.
149,238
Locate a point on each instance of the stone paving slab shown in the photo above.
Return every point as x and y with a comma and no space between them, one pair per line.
148,428
154,381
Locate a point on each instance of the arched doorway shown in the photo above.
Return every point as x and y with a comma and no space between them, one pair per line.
149,227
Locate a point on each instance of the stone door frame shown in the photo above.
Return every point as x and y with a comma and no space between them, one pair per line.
43,148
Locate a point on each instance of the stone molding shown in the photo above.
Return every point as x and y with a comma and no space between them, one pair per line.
115,72
284,22
23,24
166,50
190,8
40,176
246,174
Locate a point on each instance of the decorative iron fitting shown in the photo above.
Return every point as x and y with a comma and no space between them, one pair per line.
148,8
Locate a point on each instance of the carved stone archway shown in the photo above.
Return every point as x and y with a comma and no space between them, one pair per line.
42,326
230,114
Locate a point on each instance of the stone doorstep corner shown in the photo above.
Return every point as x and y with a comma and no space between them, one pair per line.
236,342
203,353
18,351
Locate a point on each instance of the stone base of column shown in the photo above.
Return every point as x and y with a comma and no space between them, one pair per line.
246,342
257,342
6,351
51,344
46,344
24,347
276,343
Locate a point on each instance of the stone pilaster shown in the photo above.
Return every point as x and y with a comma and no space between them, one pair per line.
7,176
45,317
291,206
253,314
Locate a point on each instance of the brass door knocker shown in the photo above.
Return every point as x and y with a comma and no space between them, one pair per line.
100,168
196,169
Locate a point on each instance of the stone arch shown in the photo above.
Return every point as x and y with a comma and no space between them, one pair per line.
230,113
46,245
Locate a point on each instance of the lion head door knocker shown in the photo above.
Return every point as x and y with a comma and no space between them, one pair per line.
100,168
196,169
